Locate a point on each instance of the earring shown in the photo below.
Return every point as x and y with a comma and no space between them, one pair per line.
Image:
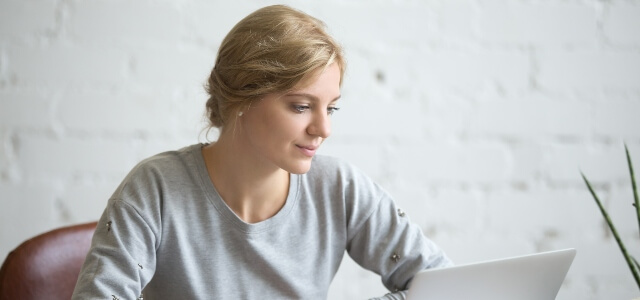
240,114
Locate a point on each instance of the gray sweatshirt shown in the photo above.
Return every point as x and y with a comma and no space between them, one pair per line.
167,234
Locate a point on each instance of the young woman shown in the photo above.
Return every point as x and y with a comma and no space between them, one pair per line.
255,215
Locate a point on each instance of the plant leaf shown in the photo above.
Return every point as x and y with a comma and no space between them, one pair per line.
623,249
633,184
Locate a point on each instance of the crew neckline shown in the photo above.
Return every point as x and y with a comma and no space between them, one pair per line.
227,213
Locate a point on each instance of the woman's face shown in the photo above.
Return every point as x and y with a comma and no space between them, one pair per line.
285,130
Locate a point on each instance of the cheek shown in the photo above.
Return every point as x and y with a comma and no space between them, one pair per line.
294,124
285,128
276,128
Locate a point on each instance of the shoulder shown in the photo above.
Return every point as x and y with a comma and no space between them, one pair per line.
170,158
167,162
337,175
323,165
346,189
154,172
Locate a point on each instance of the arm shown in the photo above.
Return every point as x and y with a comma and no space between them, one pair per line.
388,244
121,260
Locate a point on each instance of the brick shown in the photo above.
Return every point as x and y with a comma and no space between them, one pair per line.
466,249
456,20
587,70
449,69
576,288
119,112
26,211
26,19
448,115
619,205
375,27
534,116
528,159
150,114
601,165
451,163
621,23
26,109
619,287
431,210
85,201
617,119
4,80
128,22
373,118
5,152
62,66
46,157
599,266
209,22
538,23
189,111
599,258
538,212
362,75
169,67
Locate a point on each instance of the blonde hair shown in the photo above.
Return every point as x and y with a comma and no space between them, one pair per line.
269,51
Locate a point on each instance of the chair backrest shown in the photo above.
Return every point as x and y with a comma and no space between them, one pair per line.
46,266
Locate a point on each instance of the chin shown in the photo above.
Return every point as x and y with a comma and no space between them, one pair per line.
299,168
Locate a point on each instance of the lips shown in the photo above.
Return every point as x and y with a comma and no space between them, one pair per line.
309,151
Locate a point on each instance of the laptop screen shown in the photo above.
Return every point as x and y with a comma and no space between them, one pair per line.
530,277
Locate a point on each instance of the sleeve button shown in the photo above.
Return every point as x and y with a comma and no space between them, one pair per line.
401,213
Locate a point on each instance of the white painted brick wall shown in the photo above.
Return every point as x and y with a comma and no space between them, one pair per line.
590,70
477,115
547,24
105,22
62,64
22,20
620,23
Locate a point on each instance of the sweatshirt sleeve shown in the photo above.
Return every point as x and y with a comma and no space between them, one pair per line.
121,260
388,244
122,257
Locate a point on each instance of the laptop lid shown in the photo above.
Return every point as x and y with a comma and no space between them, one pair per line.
530,277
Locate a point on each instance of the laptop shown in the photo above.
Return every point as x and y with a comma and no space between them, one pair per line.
530,277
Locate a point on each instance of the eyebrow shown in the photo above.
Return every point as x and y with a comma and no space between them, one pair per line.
310,96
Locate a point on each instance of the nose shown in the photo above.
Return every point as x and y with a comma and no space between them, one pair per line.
320,125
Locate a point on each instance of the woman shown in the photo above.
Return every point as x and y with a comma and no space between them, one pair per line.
255,215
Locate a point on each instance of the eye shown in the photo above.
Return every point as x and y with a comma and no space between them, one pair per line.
300,108
332,109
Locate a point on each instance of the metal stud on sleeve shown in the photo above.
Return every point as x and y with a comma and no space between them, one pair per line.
395,257
401,212
109,227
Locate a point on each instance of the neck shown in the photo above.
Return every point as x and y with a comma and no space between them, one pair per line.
254,189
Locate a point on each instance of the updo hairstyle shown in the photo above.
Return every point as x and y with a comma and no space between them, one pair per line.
269,51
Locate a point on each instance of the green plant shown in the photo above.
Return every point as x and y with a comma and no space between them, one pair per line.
631,261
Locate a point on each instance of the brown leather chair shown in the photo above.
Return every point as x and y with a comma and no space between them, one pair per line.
46,266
